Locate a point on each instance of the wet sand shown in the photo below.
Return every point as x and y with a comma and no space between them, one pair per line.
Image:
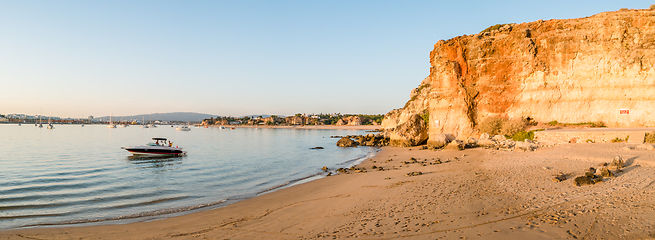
471,194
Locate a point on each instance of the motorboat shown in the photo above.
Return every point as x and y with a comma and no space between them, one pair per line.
183,128
159,147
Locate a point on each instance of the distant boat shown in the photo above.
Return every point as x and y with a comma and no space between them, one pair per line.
49,123
40,124
111,125
151,124
221,127
122,123
183,128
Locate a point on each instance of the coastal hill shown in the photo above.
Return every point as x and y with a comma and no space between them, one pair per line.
593,69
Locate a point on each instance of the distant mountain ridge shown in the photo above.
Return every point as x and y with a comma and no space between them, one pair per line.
168,117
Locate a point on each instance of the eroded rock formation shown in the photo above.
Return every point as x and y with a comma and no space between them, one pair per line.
570,70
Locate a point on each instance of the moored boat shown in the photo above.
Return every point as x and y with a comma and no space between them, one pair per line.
160,147
183,128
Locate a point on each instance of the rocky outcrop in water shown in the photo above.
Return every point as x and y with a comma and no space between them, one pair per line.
592,69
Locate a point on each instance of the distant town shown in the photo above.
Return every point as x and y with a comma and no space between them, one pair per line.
297,119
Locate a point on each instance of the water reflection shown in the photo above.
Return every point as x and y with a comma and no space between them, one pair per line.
160,163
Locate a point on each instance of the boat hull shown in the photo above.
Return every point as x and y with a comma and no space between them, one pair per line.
155,151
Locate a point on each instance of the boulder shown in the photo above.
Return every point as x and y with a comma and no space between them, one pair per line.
582,181
604,172
559,177
455,146
486,143
437,141
524,146
485,136
499,138
346,142
617,163
410,133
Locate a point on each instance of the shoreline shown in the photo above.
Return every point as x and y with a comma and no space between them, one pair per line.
475,193
321,127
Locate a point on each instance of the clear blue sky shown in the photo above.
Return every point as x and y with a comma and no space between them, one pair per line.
80,58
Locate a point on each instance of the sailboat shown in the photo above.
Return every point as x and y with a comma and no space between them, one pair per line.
151,125
40,125
111,125
123,124
143,123
50,123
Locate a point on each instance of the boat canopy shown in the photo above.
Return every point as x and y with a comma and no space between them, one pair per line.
159,139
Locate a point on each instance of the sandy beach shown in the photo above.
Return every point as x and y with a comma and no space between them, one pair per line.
470,194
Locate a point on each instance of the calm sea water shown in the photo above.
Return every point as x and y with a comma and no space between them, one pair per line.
80,175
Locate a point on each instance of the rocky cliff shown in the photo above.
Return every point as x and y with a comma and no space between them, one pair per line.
568,70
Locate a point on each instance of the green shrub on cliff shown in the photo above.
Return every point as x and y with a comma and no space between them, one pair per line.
501,126
426,117
650,137
491,28
522,135
511,127
492,125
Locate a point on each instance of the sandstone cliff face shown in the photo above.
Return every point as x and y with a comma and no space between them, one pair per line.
573,70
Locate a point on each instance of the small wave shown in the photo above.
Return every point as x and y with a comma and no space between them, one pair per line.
350,162
360,159
161,200
32,216
289,182
131,216
31,206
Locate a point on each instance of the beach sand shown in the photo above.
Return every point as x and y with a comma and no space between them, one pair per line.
471,194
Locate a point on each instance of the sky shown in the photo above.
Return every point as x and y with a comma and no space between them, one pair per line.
234,58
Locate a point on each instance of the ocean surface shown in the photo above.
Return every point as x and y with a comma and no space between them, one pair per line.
80,175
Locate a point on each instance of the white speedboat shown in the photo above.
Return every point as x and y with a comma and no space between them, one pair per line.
183,128
159,147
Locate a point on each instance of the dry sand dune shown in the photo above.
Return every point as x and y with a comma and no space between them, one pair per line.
471,194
